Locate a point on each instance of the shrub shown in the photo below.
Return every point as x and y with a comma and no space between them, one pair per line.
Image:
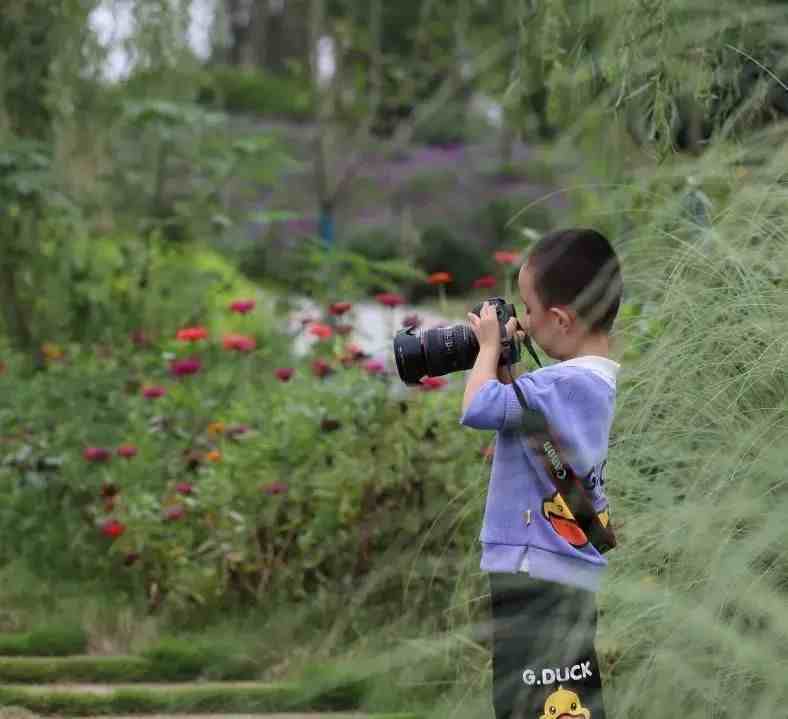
441,250
46,641
502,220
248,90
177,659
376,243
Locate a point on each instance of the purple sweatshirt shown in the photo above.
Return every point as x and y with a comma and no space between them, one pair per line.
527,526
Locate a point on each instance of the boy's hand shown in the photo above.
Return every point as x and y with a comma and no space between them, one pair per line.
485,327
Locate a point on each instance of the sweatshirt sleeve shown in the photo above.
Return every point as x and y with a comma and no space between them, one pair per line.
494,406
570,406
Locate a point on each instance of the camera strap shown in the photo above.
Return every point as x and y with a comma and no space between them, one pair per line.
567,483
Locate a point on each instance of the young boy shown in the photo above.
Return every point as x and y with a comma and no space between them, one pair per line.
543,571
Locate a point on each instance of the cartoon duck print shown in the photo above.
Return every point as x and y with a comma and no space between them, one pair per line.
556,511
563,704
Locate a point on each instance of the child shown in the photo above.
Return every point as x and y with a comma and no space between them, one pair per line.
543,572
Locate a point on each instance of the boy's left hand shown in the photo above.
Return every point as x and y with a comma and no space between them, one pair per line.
486,327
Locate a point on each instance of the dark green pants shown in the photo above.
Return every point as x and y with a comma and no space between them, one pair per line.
544,661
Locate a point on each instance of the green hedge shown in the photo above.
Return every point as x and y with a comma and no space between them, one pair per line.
250,698
249,90
56,641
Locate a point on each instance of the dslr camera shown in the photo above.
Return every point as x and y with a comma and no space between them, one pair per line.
443,350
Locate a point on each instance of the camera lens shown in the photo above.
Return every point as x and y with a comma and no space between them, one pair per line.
434,352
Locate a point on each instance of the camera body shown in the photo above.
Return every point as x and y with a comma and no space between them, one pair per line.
443,350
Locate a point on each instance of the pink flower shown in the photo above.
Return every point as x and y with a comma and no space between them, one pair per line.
275,488
236,430
390,299
174,513
139,338
431,383
239,343
241,307
411,321
323,331
321,368
374,367
181,367
153,392
507,258
485,282
112,528
283,374
184,488
96,454
126,450
339,308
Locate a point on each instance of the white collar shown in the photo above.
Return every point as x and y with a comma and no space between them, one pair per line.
605,367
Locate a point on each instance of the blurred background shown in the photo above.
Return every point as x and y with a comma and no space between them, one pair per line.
216,495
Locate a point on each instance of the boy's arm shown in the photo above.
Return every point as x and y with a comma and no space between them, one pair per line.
484,369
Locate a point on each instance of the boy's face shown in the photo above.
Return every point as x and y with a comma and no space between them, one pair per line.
554,329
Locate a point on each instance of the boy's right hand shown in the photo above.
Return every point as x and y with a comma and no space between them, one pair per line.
513,327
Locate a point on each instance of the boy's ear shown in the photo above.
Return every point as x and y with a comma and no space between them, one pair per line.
565,317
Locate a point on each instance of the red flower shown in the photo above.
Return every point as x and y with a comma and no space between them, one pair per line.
184,488
174,513
343,329
430,383
339,308
485,282
192,334
439,278
411,321
321,368
242,306
153,392
283,374
323,331
239,343
374,367
112,528
390,299
96,454
183,367
275,488
126,450
130,558
507,258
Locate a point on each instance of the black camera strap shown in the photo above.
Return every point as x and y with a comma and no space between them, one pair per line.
567,483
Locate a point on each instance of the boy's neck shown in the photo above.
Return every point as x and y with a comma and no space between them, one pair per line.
597,345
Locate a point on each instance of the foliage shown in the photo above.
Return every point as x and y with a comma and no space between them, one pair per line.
254,91
443,251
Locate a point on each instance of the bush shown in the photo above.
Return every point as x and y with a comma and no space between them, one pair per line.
246,90
441,250
502,220
377,244
181,659
446,126
54,641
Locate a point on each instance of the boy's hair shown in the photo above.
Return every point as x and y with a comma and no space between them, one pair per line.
578,267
